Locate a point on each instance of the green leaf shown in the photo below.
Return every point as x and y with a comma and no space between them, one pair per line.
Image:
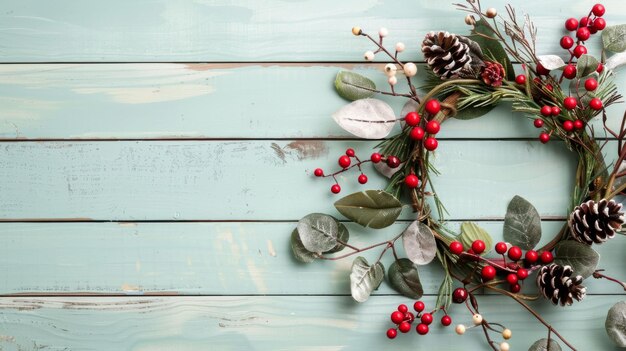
299,251
615,324
350,85
365,278
419,243
343,235
472,112
491,46
581,257
318,232
542,345
614,38
586,65
470,232
522,224
403,277
371,208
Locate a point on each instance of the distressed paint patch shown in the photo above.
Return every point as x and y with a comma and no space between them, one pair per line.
270,248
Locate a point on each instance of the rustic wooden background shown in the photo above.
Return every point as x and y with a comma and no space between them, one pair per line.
157,154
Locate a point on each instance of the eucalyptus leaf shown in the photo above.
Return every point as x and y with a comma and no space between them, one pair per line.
586,65
419,243
371,208
522,224
299,251
366,118
365,278
470,232
318,232
409,106
491,47
403,277
350,85
614,38
343,235
551,62
542,345
615,61
581,257
616,324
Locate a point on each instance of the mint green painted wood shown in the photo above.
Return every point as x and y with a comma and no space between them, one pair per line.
273,323
151,101
244,30
204,258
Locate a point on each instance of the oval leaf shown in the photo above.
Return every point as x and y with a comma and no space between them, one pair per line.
551,61
616,324
365,279
470,232
318,232
342,235
522,224
614,38
615,61
419,243
350,86
581,257
366,118
404,278
586,65
542,345
299,251
371,208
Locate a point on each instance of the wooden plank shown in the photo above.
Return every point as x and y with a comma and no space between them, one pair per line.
205,259
244,30
274,323
157,101
245,180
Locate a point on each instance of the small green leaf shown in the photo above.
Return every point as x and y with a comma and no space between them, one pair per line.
419,243
318,232
470,232
299,251
614,38
371,208
581,257
350,85
542,345
365,278
403,277
472,112
615,324
522,224
586,65
343,235
491,47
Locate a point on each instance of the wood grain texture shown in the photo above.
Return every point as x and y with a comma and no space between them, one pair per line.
244,30
156,101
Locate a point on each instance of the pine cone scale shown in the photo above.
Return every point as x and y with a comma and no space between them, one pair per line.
557,284
595,222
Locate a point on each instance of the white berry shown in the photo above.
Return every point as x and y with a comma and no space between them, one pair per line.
506,334
410,69
383,32
400,47
491,12
369,56
390,69
505,346
470,20
356,30
460,329
392,80
477,319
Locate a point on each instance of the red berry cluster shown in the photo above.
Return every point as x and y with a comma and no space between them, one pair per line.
425,128
403,319
584,28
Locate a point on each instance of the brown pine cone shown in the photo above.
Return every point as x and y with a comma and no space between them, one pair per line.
452,56
492,73
595,222
557,284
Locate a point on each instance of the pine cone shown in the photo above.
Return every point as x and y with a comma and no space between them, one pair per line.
452,56
557,284
595,222
492,73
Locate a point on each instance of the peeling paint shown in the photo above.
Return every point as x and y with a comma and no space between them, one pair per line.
308,149
270,248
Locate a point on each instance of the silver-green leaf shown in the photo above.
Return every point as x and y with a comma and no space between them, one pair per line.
350,86
419,243
581,257
551,62
403,277
364,279
616,324
586,65
470,232
371,208
522,224
342,237
614,38
366,118
299,251
318,232
542,345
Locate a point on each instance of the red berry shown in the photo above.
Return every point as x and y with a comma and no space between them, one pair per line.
598,10
433,127
318,172
417,133
546,257
501,247
422,329
521,79
546,110
376,157
344,161
397,317
522,273
578,124
600,68
409,317
571,24
411,181
584,21
459,295
412,118
478,246
556,111
544,138
542,71
419,306
538,123
531,256
568,126
515,253
580,50
393,161
335,189
350,152
488,273
583,33
432,106
592,27
446,320
511,278
515,288
591,84
599,24
431,144
403,308
595,104
392,333
569,71
427,318
362,179
570,103
456,247
549,87
567,42
404,327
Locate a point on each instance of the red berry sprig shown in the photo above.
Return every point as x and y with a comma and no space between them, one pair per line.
403,319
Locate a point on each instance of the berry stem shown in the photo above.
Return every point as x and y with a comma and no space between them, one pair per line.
599,275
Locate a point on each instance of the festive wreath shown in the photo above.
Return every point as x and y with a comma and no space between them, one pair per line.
467,76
